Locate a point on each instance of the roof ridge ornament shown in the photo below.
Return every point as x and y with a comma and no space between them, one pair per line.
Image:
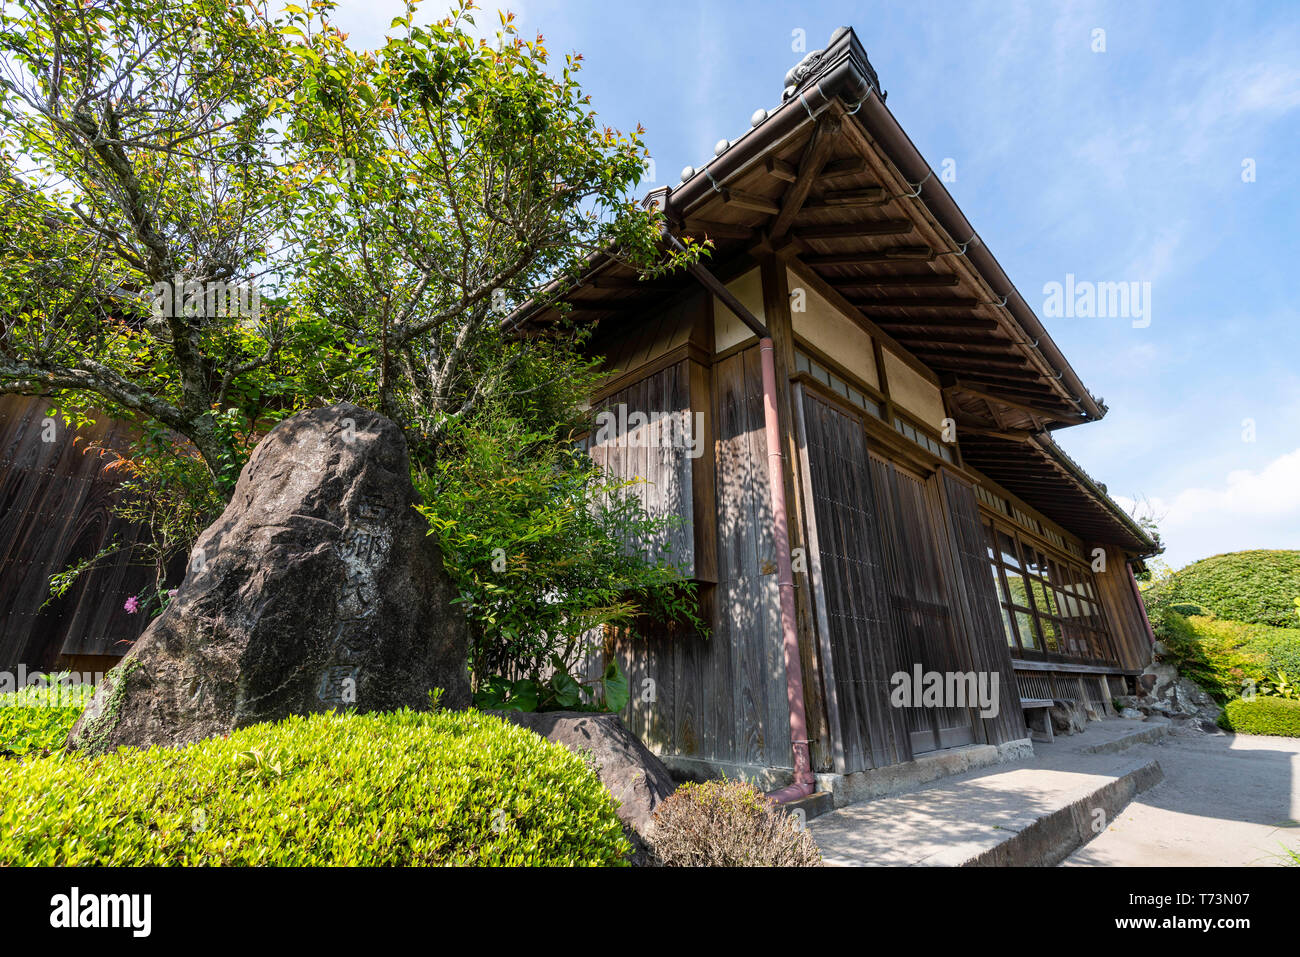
816,63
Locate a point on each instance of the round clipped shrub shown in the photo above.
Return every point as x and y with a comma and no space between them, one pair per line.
38,718
1186,608
398,788
728,824
1263,715
1258,586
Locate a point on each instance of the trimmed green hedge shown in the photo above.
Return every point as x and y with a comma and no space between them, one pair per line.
401,788
1221,655
1259,587
1260,715
39,718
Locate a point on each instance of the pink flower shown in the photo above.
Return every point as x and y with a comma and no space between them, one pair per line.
132,605
171,592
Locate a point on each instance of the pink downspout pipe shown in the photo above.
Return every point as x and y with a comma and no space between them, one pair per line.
804,780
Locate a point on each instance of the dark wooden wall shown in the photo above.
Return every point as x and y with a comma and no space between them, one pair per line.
722,698
899,578
923,603
979,603
656,461
54,499
858,644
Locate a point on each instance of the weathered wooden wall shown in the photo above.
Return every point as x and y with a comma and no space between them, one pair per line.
899,579
54,499
979,603
922,602
1120,605
656,457
858,644
721,699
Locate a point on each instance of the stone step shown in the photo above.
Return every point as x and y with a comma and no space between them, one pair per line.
1023,816
1153,730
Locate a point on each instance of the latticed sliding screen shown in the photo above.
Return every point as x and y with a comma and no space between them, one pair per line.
1049,607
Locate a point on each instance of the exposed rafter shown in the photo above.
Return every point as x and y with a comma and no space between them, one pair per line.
815,155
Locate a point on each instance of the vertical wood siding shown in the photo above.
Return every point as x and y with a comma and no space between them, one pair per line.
858,644
980,601
54,499
898,579
661,468
1123,615
720,698
922,602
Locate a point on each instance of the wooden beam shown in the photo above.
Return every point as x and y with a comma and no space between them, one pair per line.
958,340
914,302
932,322
890,255
852,166
1011,435
697,227
879,227
923,279
751,201
990,377
861,196
815,155
781,169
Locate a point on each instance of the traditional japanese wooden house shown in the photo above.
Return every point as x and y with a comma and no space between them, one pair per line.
931,519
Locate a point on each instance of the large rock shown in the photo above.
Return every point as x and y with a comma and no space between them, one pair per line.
624,765
1068,716
1168,694
318,589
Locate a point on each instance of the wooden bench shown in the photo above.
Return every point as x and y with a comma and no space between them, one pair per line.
1038,709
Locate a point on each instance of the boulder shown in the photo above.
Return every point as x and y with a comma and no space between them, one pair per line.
630,771
318,589
1132,714
1168,694
1068,716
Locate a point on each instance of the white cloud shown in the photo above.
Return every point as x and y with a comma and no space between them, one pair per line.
1251,509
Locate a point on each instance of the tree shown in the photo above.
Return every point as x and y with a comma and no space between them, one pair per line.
462,179
160,154
140,182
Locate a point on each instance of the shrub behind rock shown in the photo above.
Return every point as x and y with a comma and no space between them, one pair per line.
728,824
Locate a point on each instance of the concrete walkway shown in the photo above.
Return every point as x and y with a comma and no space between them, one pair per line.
1229,800
1225,802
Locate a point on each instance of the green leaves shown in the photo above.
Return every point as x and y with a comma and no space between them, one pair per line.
565,690
380,789
615,687
537,537
39,718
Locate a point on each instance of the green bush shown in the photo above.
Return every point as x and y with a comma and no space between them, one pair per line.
1258,587
39,718
1186,608
400,788
1260,715
727,824
1221,656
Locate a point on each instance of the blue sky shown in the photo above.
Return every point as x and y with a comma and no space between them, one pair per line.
1122,165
